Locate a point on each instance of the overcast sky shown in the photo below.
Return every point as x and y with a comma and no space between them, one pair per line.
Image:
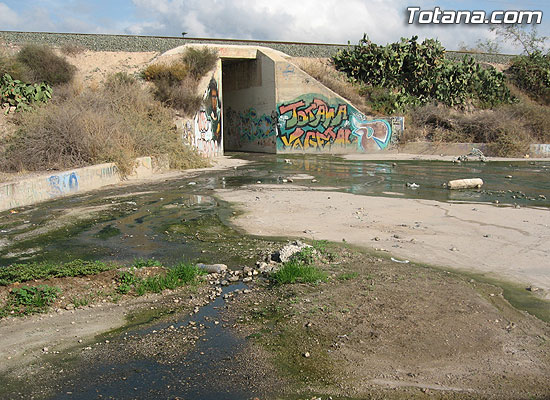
325,21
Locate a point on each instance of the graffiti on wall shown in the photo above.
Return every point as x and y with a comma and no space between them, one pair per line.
63,184
208,123
312,122
248,127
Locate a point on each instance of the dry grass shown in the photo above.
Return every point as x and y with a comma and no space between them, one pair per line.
323,71
115,123
176,83
506,134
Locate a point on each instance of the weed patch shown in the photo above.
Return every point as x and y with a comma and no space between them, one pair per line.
29,299
45,270
180,275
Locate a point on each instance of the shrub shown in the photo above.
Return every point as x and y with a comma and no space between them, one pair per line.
199,61
166,73
417,73
72,49
9,65
44,65
116,123
532,74
182,95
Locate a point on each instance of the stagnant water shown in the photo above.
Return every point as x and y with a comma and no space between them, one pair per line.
180,219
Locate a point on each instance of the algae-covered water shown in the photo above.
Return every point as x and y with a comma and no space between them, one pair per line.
180,219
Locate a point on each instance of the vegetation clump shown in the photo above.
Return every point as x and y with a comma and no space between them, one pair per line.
114,123
176,83
301,268
531,73
177,276
29,299
43,65
408,73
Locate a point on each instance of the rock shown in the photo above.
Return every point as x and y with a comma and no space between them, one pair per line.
533,288
376,239
224,283
508,176
234,278
192,183
69,306
247,279
286,253
212,268
45,349
314,181
258,182
306,354
247,270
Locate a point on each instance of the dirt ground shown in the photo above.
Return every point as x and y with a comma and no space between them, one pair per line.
380,329
503,242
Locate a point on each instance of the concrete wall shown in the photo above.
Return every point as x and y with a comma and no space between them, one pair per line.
271,105
312,118
250,120
46,187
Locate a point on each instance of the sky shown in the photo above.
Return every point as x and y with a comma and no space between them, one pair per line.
318,21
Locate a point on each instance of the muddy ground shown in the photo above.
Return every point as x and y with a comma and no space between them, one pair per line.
375,329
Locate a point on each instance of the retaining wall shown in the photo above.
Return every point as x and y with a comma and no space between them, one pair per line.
46,187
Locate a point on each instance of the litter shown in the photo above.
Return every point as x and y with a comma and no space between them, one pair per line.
400,261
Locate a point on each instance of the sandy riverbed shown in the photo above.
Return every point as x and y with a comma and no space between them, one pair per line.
504,242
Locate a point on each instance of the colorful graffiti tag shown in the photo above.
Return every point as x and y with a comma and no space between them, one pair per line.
247,127
208,123
313,123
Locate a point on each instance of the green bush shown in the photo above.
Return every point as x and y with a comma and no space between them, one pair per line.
412,73
45,66
532,74
296,271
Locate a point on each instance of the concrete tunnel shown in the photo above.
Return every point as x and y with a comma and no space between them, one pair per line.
258,100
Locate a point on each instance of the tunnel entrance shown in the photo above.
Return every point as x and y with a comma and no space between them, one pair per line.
249,103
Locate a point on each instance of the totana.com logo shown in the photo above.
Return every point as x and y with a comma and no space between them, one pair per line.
439,16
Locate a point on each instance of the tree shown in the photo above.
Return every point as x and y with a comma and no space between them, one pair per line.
519,35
